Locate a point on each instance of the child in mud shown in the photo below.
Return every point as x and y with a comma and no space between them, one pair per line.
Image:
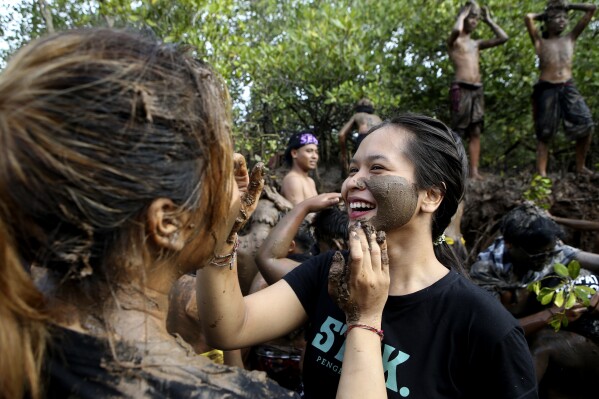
410,324
466,91
116,178
555,97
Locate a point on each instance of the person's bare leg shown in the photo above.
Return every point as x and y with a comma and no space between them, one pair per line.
233,358
582,147
542,155
474,151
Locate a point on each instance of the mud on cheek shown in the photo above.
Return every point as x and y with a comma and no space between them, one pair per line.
396,200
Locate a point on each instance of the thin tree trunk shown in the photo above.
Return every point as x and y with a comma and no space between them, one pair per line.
109,21
47,14
108,18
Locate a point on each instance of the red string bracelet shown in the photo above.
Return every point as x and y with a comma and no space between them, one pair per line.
365,327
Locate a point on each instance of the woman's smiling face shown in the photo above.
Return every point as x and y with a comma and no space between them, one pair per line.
380,187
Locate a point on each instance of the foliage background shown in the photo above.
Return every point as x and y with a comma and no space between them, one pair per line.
296,64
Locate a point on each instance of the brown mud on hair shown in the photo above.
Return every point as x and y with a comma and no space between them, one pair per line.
396,201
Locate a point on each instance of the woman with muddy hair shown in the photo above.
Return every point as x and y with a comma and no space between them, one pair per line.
116,178
404,321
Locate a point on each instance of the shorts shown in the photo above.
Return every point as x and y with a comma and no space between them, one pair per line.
555,102
467,106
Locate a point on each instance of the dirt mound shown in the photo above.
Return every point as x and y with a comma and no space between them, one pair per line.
573,197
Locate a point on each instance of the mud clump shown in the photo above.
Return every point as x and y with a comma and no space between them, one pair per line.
340,272
396,200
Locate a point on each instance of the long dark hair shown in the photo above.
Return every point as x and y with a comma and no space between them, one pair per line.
440,162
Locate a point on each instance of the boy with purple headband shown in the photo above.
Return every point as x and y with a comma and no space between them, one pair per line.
302,155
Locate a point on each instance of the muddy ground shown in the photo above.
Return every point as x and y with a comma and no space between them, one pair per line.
572,196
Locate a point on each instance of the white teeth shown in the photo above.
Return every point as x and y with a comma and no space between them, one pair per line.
360,204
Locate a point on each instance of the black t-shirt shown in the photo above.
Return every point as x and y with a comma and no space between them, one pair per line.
449,340
82,366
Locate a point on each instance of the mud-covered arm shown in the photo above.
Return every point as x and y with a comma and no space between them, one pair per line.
578,224
184,320
361,289
343,133
229,320
588,260
531,27
500,35
458,26
589,10
537,321
272,258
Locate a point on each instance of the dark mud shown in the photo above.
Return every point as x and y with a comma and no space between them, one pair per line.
396,201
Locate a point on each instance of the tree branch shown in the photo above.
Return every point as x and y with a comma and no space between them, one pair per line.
47,14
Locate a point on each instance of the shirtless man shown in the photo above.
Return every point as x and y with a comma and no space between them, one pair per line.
363,119
466,93
302,156
555,97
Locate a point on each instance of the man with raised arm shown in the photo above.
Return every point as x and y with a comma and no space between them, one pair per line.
466,93
555,98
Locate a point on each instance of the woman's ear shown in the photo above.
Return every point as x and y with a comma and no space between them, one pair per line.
291,247
164,224
432,199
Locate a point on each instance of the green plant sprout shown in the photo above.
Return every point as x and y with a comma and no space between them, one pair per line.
565,294
539,191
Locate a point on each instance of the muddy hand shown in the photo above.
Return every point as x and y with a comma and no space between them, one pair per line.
250,187
322,201
361,286
486,14
465,10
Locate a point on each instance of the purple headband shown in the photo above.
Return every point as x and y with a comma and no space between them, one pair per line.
308,138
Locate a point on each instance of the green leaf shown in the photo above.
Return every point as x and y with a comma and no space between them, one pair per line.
534,287
556,324
337,23
570,300
546,290
559,299
583,292
574,269
561,270
546,299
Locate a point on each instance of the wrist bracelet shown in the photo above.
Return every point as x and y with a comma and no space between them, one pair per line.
228,259
365,327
